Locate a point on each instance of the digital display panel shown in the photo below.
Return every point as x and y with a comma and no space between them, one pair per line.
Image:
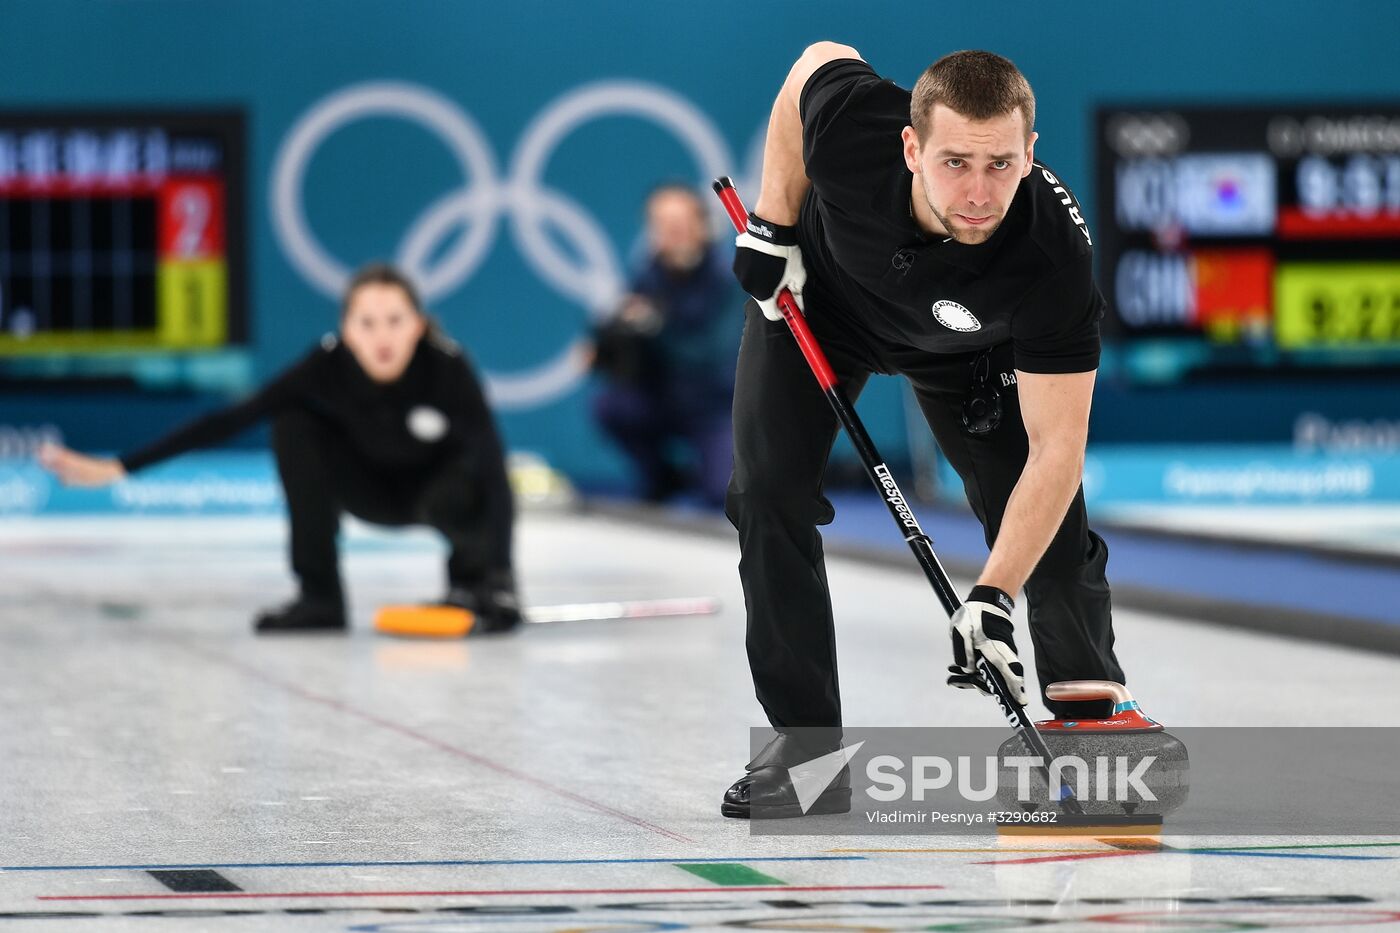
1248,238
120,239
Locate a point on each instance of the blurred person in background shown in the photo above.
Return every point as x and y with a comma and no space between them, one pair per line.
666,358
387,422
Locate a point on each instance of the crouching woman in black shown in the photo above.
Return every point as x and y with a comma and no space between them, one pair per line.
386,422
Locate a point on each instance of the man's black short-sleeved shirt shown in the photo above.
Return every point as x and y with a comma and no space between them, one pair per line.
1031,283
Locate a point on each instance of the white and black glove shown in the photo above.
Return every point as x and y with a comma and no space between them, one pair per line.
767,261
982,628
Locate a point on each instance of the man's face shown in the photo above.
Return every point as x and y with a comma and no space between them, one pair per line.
968,170
676,228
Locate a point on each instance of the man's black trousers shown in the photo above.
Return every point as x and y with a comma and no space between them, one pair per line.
783,432
466,498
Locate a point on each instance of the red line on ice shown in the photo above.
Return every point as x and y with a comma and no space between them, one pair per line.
439,744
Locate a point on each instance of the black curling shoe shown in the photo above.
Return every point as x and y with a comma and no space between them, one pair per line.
766,792
302,615
492,601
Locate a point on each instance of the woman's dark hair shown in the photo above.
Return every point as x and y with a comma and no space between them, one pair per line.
380,273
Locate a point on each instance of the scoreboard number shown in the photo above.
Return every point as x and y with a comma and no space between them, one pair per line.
1329,304
191,209
193,307
192,277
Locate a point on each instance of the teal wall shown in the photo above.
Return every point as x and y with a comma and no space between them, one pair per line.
505,65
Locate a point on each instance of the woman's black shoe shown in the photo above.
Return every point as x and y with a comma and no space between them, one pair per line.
492,601
302,615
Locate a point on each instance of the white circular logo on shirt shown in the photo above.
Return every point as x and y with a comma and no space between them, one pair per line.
427,424
955,317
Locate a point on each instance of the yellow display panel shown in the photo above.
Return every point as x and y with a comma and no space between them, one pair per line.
1337,304
193,305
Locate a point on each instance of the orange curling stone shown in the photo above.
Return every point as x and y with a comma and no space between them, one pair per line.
424,621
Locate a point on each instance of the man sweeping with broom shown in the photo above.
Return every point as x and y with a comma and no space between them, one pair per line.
920,237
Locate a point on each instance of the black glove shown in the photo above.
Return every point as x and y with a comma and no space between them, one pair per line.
768,260
982,628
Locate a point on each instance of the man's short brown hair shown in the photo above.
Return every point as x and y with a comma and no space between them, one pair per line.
978,85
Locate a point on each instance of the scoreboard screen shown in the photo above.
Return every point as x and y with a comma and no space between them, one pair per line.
1250,238
120,238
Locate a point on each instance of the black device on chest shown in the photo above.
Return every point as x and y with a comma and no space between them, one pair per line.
982,408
